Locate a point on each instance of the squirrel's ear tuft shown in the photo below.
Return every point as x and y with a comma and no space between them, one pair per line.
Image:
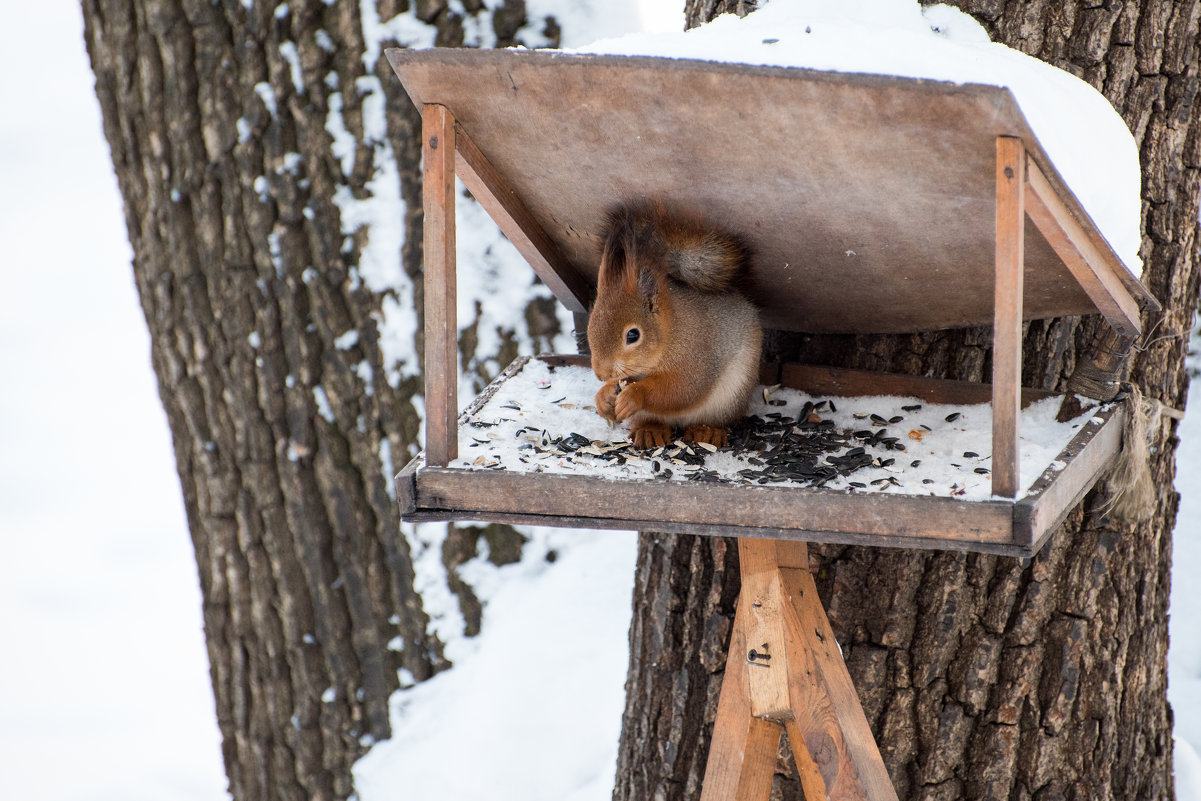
617,267
648,288
626,247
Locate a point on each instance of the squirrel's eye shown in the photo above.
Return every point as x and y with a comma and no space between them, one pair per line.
632,336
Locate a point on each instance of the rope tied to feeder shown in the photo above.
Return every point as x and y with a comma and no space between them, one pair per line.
1129,484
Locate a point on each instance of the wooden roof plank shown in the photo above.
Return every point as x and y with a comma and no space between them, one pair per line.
1096,270
846,240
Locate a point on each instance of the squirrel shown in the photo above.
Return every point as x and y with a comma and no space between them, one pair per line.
672,337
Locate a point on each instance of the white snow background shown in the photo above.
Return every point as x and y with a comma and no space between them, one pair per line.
104,667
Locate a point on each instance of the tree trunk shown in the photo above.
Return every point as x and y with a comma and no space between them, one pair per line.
982,677
254,143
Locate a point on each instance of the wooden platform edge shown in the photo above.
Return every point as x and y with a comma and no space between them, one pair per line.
405,484
427,515
573,500
1057,492
1000,526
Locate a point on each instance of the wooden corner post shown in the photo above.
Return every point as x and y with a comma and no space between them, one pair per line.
1007,314
785,674
441,325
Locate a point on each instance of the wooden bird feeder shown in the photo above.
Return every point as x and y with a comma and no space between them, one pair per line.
873,205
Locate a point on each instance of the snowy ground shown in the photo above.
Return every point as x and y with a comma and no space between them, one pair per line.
105,670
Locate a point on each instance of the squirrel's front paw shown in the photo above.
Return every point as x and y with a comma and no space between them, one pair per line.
629,401
605,399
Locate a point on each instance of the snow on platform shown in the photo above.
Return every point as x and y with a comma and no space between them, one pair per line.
542,420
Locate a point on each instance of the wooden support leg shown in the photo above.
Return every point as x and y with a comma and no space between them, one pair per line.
1007,316
742,753
441,325
784,669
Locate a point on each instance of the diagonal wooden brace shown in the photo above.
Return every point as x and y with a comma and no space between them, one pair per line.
784,669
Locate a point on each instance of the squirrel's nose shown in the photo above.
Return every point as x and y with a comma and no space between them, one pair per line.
601,369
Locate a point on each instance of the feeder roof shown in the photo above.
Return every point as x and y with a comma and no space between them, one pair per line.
869,201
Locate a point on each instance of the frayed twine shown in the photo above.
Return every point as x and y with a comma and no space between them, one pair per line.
1129,485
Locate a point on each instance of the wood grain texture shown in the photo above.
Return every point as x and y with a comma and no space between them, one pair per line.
441,327
923,260
742,752
828,715
1007,318
763,624
1000,679
430,515
784,669
1086,458
890,518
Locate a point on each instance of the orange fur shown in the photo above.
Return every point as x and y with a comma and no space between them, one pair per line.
695,358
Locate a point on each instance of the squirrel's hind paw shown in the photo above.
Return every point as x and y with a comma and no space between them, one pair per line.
651,435
717,437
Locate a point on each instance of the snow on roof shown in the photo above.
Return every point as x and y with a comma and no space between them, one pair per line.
1076,126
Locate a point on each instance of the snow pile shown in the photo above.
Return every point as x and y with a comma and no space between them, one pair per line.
1076,125
532,708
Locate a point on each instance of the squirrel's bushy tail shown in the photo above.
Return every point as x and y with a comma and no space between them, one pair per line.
686,249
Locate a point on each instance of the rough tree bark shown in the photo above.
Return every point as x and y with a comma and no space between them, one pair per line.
983,677
243,135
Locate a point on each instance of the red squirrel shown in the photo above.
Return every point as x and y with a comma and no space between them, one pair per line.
674,340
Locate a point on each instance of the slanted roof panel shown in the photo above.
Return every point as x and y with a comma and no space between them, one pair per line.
868,200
